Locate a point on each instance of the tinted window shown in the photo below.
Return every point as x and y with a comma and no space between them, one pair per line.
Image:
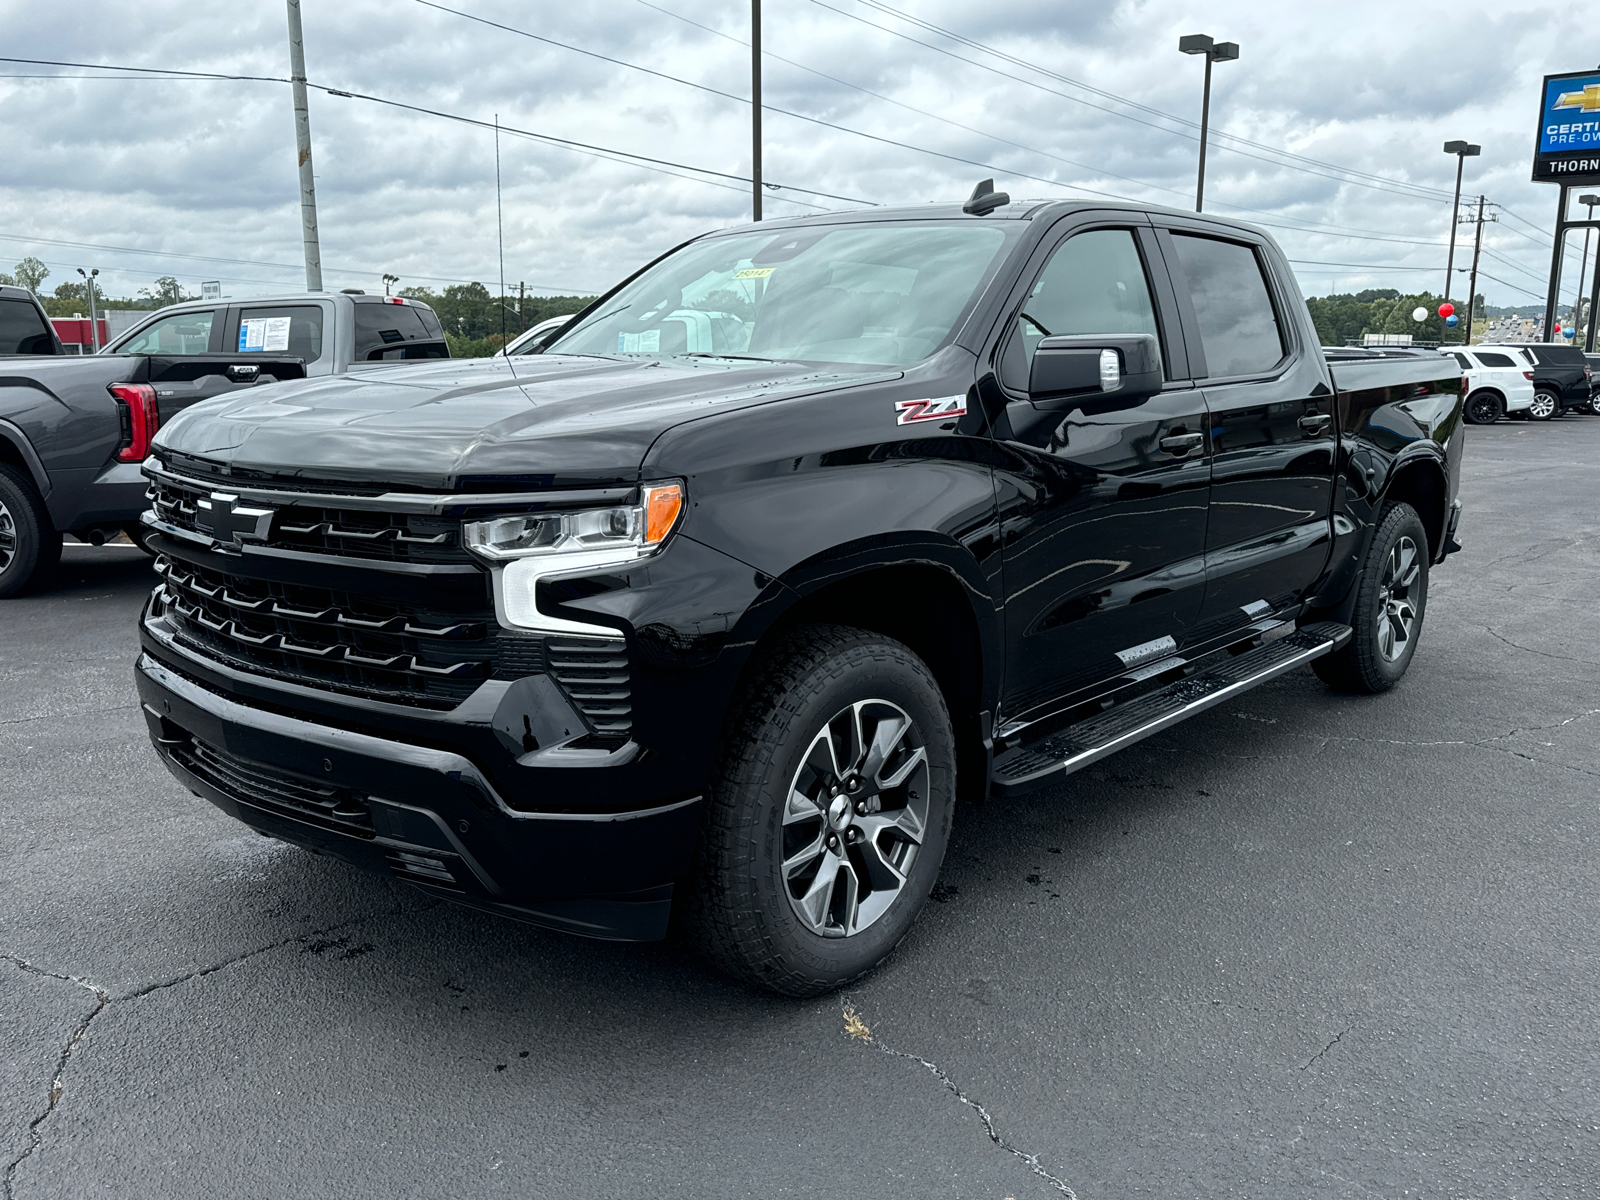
1238,327
1466,363
885,294
22,329
181,333
381,325
1495,360
295,330
1095,283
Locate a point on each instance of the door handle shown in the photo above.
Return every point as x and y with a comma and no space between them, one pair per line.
1181,443
1315,423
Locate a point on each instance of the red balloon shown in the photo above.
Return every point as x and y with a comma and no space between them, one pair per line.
1447,309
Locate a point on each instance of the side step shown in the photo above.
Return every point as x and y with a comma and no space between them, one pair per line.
1060,754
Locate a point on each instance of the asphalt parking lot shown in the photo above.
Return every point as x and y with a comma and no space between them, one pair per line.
1305,945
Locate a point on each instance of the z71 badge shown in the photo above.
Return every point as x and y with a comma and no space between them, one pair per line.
940,409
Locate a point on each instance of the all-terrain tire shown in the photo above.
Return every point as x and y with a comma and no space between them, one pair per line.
30,546
1393,579
744,911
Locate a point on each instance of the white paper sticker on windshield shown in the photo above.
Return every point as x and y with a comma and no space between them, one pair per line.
648,342
252,334
754,272
276,337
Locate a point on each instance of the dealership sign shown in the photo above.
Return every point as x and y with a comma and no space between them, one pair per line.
1567,149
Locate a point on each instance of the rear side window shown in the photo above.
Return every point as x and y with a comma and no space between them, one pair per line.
181,333
1489,359
22,329
295,330
382,330
1239,328
1466,363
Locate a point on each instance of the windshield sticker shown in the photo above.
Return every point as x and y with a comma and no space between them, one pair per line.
648,342
754,273
940,409
277,335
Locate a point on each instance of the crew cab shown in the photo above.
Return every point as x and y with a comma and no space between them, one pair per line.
1495,383
960,499
73,430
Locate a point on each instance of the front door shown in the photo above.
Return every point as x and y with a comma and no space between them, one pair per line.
1273,431
1103,503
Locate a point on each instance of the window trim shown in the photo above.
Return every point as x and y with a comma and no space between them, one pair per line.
1288,331
1174,350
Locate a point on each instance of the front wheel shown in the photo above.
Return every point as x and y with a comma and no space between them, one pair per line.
1482,408
1391,598
1545,405
829,818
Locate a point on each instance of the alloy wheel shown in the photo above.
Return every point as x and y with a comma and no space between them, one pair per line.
1543,406
1397,608
8,537
1485,409
855,817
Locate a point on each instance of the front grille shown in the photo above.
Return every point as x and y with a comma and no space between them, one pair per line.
303,798
330,639
312,528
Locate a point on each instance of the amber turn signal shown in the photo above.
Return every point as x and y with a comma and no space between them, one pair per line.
662,504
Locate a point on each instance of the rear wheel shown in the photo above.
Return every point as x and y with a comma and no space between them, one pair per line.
30,546
828,821
1482,408
1593,407
1546,404
1391,599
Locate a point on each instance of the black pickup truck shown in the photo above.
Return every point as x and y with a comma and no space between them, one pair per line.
709,613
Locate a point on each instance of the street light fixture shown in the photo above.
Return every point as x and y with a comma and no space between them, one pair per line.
94,321
1200,43
387,280
1462,151
1583,265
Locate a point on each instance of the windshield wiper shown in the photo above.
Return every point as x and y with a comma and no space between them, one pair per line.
709,354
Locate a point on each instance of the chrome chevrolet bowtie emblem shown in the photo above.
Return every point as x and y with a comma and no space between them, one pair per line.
1587,100
230,521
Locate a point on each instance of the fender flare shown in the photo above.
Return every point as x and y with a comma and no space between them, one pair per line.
19,440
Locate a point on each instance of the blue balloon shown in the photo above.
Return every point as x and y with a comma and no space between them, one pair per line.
1452,320
1569,333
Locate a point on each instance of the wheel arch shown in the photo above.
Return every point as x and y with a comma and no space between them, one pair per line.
1420,482
17,451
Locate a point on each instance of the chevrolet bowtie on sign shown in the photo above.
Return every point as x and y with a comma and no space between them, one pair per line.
1567,146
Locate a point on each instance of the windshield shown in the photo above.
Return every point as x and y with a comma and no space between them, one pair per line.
885,295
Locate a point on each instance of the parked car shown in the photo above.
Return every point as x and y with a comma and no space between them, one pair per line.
1495,384
332,332
1562,377
74,429
534,340
1594,383
24,325
969,497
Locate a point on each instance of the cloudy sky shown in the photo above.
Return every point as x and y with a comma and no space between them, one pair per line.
1332,122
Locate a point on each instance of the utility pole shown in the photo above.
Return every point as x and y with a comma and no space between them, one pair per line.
1472,280
522,300
755,110
302,138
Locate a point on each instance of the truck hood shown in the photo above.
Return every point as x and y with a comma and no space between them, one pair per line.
476,424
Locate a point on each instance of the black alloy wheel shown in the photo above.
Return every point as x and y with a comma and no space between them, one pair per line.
1391,600
829,816
1546,404
30,545
1482,408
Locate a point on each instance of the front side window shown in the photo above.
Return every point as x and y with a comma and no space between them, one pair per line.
22,329
181,333
1095,283
295,330
1238,326
885,295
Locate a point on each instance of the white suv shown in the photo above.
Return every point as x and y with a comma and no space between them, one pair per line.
1498,384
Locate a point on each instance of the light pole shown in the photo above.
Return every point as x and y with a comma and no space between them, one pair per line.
94,322
1462,151
755,110
302,138
1583,265
1200,43
387,280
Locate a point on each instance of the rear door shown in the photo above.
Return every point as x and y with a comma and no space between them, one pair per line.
1272,425
1103,503
302,330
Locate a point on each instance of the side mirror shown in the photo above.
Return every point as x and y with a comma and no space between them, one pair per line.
1112,366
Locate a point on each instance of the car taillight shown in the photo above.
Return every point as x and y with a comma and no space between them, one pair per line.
1528,375
1588,371
1465,385
140,419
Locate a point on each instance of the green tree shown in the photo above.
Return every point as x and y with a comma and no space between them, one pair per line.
30,273
166,290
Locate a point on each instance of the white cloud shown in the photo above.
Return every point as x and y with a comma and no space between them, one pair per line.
208,169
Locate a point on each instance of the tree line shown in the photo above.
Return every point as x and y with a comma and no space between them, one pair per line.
474,318
1344,318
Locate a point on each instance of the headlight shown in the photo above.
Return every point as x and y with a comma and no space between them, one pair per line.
525,549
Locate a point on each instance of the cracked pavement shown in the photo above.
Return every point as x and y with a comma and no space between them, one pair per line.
1304,945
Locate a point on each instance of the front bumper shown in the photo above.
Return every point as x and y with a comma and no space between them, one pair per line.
425,815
